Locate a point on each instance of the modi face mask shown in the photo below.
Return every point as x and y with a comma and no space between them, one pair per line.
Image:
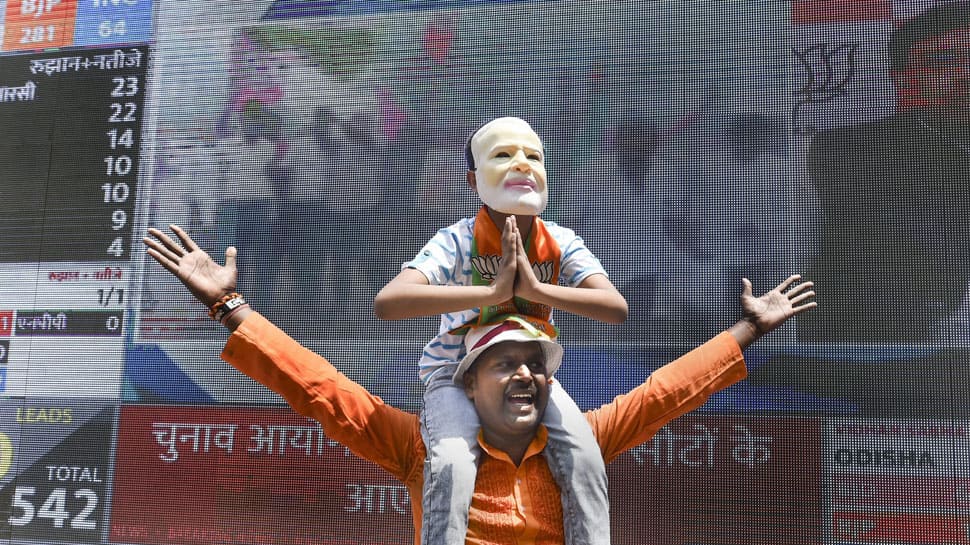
510,176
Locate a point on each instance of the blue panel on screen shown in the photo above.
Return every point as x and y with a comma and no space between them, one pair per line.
113,22
153,376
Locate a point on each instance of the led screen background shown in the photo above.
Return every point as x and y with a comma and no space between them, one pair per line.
690,143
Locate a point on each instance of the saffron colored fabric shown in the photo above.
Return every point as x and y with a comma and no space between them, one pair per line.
510,503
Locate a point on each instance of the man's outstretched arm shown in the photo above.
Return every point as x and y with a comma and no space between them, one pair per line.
347,412
686,383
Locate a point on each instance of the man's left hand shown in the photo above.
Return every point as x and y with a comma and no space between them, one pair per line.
770,310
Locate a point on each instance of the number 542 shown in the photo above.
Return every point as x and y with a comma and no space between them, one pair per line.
54,508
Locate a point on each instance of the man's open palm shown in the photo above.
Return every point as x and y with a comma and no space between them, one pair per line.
207,280
781,303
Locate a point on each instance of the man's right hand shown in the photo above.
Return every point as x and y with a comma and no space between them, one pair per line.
206,279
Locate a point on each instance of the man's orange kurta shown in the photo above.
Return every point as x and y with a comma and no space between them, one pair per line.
511,504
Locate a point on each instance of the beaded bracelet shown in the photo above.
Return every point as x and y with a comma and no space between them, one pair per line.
228,307
218,305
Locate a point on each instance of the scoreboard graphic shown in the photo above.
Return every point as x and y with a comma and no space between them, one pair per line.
44,24
55,470
72,125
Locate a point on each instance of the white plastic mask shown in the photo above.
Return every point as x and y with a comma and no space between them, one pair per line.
510,175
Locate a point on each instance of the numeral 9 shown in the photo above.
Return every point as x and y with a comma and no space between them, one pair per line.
118,219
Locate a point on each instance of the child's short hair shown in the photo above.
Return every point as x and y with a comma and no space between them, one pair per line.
469,156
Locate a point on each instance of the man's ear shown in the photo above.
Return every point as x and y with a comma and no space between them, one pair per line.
468,382
472,181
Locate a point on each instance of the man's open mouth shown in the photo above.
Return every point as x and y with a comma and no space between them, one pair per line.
521,398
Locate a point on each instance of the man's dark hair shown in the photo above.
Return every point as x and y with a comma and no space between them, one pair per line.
932,22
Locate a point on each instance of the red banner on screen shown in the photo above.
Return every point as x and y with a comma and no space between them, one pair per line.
199,476
877,528
719,480
804,12
6,323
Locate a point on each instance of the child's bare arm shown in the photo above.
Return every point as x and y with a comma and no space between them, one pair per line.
595,297
409,294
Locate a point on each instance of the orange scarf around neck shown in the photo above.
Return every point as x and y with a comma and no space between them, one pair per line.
486,255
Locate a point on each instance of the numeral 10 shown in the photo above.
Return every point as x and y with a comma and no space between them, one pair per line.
117,166
115,192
